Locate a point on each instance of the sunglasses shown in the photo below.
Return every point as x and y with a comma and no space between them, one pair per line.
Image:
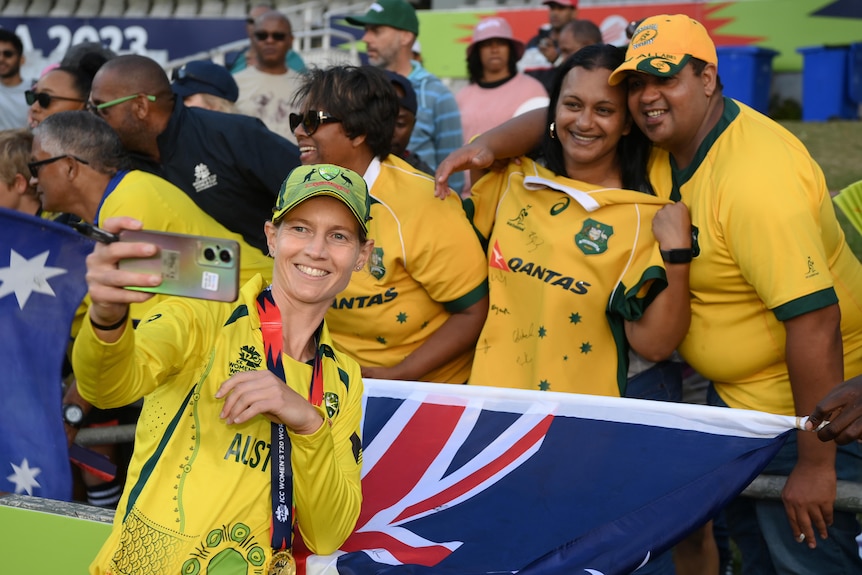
98,108
45,99
277,36
36,166
8,53
310,120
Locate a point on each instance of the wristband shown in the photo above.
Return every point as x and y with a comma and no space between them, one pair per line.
113,326
677,256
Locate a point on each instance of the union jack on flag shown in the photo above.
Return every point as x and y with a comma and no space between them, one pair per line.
476,480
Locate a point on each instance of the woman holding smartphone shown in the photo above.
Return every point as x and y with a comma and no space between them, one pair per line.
236,395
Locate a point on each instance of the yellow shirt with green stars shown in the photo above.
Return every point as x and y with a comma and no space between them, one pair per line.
769,248
568,262
427,264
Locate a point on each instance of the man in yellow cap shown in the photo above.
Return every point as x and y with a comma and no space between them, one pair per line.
776,293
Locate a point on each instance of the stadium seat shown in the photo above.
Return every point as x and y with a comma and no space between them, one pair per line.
138,8
162,8
38,7
88,8
212,8
113,9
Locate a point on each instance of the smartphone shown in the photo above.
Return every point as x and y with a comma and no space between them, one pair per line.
191,266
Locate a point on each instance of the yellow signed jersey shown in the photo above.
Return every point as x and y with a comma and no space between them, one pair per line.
427,263
197,497
568,262
768,249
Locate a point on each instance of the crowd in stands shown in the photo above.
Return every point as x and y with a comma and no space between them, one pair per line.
577,208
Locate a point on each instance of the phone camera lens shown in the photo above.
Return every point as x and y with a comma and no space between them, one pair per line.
209,254
224,256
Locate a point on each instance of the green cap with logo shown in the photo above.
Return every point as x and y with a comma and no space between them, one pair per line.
394,13
340,183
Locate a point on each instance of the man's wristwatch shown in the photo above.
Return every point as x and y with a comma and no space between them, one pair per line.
73,415
677,256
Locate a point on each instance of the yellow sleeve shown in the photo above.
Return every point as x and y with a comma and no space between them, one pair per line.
327,465
120,373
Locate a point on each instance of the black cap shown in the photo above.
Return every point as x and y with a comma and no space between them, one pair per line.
408,100
204,77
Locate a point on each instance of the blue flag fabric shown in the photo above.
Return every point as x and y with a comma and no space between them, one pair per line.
475,480
41,285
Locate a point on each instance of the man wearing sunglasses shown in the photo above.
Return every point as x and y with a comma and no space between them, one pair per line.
237,60
267,86
13,106
231,165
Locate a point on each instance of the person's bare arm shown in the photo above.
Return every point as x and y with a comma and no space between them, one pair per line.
814,353
514,138
666,320
458,334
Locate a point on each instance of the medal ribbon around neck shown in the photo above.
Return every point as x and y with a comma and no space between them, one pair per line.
281,523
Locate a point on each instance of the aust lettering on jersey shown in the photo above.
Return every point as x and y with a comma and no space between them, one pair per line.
250,451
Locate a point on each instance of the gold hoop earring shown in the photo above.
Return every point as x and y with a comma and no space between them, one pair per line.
552,130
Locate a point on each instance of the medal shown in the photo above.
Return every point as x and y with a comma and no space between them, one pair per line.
282,563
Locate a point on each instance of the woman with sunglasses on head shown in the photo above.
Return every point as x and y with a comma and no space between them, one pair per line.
416,309
62,89
250,427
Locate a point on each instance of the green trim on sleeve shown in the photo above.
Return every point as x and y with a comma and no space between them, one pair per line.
467,299
806,304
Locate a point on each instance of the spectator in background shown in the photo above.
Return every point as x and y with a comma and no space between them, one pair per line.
205,84
405,121
497,92
238,60
415,311
417,51
267,86
573,36
16,192
542,50
577,34
391,28
230,165
13,106
63,88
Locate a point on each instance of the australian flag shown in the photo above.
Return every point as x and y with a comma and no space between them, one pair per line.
41,285
475,480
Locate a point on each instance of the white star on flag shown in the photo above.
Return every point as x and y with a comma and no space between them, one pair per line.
23,277
24,477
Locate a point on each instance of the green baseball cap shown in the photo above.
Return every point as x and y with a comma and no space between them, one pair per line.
395,13
313,180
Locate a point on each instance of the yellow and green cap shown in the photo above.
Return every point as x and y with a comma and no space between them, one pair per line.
313,180
663,45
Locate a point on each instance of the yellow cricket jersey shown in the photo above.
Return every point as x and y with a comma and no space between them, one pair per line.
427,263
768,249
568,263
197,496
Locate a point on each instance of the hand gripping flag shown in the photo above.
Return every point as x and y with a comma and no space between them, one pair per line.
476,480
41,285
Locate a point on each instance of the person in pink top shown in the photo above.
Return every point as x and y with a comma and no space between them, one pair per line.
497,92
